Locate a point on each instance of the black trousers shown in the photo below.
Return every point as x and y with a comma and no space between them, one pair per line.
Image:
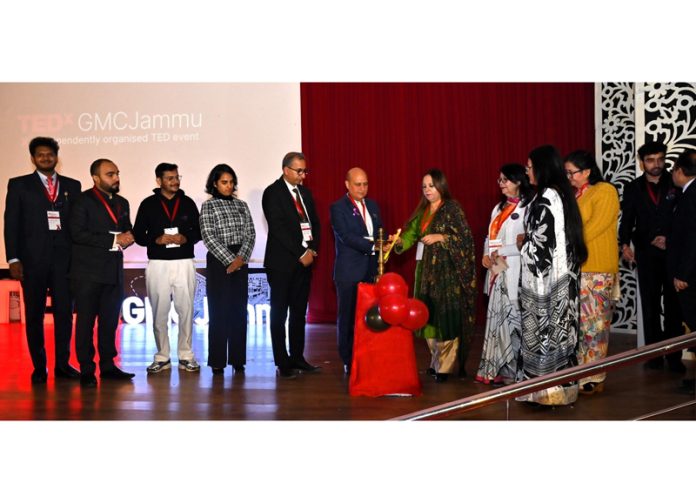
38,279
687,303
96,300
654,283
228,295
289,293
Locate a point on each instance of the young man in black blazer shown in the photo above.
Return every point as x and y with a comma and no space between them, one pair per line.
100,228
647,209
291,247
37,247
681,245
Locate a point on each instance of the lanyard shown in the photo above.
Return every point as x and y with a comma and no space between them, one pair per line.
298,204
582,190
171,216
428,217
362,212
97,192
52,196
655,197
498,221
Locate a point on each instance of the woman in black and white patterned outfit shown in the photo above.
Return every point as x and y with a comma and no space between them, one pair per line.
228,233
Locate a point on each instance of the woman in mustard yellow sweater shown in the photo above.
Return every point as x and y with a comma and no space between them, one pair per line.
599,207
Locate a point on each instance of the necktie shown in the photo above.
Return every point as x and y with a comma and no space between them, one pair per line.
298,205
51,188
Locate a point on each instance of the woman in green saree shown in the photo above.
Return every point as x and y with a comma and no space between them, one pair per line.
445,274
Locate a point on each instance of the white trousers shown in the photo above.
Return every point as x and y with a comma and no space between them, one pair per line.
166,280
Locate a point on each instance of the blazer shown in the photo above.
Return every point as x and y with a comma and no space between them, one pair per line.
641,220
284,241
355,260
90,226
27,237
681,243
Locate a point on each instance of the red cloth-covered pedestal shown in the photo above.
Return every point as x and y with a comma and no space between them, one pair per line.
384,363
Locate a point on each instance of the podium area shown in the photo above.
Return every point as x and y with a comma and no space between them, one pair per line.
260,395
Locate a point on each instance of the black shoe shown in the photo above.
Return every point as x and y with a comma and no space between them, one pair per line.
88,381
39,376
286,373
346,369
441,377
116,374
430,371
676,366
217,371
238,369
66,372
655,363
303,366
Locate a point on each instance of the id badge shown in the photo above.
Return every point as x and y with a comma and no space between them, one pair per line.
494,245
116,247
419,250
171,231
53,220
306,231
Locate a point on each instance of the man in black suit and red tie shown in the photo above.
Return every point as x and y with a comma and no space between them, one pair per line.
356,222
100,227
647,209
37,247
681,245
291,247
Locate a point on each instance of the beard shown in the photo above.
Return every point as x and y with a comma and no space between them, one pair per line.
655,171
110,189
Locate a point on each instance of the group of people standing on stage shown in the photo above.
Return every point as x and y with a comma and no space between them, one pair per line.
70,243
552,255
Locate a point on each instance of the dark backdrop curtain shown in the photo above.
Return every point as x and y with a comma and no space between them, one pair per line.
396,132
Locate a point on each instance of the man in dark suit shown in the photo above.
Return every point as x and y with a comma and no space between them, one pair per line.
291,247
356,221
37,247
681,245
647,212
100,227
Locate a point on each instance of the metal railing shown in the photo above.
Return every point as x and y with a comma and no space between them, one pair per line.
556,378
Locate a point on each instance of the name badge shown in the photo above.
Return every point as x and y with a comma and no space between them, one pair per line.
171,231
53,220
116,246
494,245
419,250
306,231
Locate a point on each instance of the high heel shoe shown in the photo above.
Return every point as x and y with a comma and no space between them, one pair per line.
591,388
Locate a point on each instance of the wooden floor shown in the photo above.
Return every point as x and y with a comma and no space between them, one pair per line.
260,395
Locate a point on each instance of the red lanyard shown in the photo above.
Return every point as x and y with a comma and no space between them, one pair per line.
428,217
362,212
97,192
298,205
52,195
581,190
171,215
655,197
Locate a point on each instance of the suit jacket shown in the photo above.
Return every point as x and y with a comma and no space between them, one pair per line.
90,227
641,220
27,237
681,244
354,259
284,241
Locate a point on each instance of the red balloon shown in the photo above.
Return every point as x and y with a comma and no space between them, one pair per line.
391,283
417,316
393,308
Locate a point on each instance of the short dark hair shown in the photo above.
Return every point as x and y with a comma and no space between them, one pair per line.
94,167
652,147
585,160
43,141
165,166
291,156
215,175
687,162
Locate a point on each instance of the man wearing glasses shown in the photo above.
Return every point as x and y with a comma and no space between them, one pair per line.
647,212
167,224
291,247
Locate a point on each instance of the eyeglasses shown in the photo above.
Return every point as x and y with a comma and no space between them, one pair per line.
299,171
172,178
571,174
502,180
